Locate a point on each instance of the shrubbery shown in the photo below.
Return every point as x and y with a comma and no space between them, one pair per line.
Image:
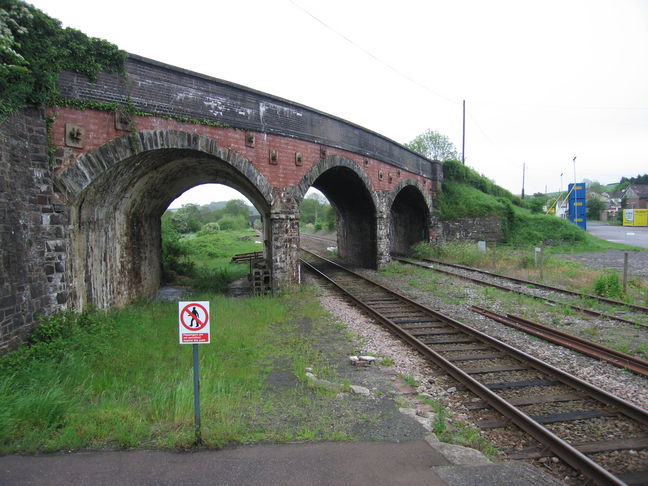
608,285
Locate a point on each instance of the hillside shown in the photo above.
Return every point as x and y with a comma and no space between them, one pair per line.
468,194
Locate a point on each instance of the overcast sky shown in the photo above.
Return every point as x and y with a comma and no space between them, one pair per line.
544,81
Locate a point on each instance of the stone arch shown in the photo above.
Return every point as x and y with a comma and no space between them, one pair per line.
409,215
117,194
356,204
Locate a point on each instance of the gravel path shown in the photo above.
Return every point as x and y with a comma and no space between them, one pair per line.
637,261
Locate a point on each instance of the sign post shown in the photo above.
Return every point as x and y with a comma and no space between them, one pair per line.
194,328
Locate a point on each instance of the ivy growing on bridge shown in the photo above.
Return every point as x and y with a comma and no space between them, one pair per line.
35,49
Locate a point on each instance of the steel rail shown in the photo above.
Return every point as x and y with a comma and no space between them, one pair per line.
558,446
573,293
577,308
576,343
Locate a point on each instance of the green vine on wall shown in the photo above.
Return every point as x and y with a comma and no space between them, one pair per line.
35,49
129,108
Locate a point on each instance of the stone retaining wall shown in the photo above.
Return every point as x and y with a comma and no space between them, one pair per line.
32,229
489,228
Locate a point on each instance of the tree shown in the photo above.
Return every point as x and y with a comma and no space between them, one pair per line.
433,145
537,202
34,49
594,208
185,219
595,186
236,207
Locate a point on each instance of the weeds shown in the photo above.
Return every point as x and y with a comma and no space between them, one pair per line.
462,253
608,285
410,380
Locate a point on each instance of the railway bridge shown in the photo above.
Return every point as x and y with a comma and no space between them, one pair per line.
83,184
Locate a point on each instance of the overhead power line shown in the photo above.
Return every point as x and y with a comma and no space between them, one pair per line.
373,56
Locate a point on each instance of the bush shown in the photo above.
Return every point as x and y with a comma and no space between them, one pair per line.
209,229
229,222
54,336
175,254
213,279
608,285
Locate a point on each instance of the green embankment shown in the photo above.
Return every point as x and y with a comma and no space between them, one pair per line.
468,194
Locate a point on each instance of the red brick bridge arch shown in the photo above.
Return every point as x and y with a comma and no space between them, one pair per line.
83,183
116,195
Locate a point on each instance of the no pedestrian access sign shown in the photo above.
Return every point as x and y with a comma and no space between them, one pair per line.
194,322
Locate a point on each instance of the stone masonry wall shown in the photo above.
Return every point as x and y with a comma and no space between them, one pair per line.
473,229
32,229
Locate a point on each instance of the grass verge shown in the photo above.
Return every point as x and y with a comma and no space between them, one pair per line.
121,380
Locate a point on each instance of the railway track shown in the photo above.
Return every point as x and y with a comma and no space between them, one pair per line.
521,286
570,341
603,437
519,290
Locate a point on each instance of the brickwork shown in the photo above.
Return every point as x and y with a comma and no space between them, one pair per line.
32,229
100,129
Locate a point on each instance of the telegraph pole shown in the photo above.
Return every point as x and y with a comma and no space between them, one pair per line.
463,135
523,169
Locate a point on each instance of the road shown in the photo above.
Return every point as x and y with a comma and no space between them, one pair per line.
628,235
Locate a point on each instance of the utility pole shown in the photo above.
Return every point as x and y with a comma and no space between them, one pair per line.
523,170
574,160
463,135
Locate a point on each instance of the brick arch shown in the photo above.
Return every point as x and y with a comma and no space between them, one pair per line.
330,162
76,178
356,205
117,194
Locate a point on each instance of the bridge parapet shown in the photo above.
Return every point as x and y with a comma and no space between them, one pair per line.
165,90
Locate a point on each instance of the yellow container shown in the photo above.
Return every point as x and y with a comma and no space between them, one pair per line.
635,217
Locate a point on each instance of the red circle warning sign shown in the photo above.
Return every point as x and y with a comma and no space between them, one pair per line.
194,316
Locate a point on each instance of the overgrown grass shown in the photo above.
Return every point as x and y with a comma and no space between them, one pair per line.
122,380
204,258
521,263
461,201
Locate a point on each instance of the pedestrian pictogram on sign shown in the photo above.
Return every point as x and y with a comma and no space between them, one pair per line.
194,322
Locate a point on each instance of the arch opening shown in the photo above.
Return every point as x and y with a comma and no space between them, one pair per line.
116,233
355,213
409,220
